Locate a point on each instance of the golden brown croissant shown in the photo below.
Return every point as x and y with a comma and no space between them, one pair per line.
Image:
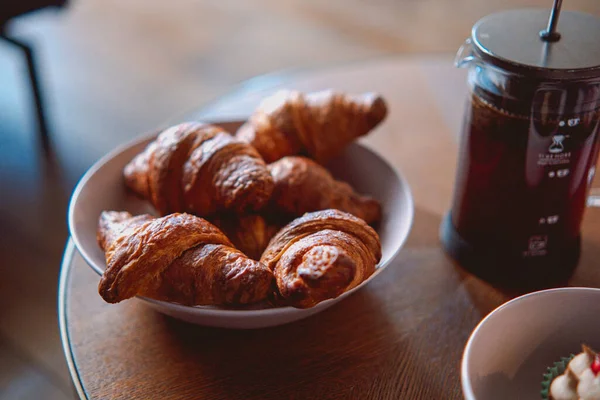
320,124
302,185
321,255
201,169
249,233
179,258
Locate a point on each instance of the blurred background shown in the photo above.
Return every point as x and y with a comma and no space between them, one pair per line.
110,70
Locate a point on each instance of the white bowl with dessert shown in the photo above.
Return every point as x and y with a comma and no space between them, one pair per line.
531,348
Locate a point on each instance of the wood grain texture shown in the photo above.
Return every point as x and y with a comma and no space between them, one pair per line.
401,337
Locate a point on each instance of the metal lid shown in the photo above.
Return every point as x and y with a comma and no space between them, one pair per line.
511,40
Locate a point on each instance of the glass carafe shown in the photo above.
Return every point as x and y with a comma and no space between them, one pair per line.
529,145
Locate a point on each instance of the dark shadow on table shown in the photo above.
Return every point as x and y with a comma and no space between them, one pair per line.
587,273
340,356
413,319
484,296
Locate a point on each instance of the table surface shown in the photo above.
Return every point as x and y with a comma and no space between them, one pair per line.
401,337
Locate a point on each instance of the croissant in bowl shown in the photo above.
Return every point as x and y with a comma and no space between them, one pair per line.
320,124
302,185
320,256
201,169
178,258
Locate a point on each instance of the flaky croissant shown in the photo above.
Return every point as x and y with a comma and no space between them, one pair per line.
319,124
178,258
199,168
249,233
321,255
302,185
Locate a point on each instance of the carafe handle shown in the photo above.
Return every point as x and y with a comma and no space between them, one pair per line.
465,55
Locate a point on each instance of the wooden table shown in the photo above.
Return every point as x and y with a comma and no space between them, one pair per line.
401,337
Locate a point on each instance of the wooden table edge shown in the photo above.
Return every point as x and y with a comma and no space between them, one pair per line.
65,270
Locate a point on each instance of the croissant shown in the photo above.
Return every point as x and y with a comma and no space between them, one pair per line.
321,255
302,185
320,124
178,258
249,233
201,169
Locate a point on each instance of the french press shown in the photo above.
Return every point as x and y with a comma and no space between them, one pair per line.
529,145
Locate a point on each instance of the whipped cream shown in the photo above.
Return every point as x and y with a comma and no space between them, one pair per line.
581,380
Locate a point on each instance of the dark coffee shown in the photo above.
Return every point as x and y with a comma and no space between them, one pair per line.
523,176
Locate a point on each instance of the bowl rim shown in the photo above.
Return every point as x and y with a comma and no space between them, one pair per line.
216,310
464,368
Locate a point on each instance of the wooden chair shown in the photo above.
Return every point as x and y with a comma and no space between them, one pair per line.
8,11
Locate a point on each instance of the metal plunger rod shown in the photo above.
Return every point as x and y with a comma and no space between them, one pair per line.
550,33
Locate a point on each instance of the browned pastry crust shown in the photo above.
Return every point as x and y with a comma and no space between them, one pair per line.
320,124
321,255
199,168
302,185
178,258
249,233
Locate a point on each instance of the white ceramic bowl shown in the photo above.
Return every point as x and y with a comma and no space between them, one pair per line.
102,188
510,349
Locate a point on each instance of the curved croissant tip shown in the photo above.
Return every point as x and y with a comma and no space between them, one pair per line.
104,289
377,109
107,222
114,216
